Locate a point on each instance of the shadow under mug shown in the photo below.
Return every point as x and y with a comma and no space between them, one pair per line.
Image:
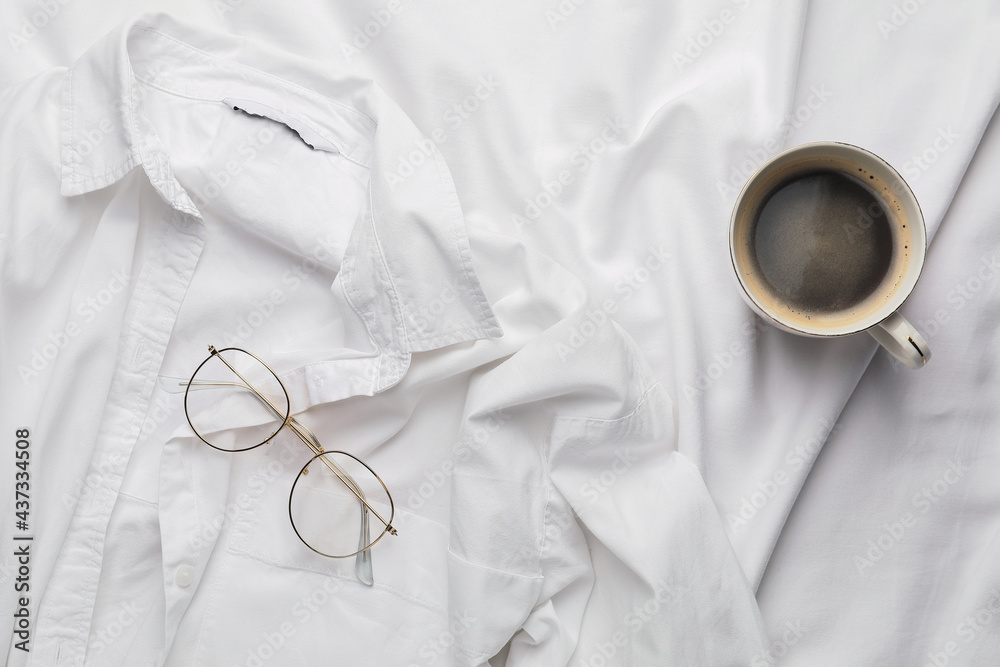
877,312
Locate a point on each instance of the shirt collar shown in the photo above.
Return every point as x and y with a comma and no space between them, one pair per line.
407,270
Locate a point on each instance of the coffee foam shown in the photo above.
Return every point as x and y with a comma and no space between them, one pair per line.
901,226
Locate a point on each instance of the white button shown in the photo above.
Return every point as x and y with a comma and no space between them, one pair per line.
184,576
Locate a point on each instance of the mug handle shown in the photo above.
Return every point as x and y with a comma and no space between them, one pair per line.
902,341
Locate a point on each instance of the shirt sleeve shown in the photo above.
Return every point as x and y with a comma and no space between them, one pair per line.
590,540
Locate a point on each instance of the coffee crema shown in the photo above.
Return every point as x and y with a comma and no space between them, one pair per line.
824,246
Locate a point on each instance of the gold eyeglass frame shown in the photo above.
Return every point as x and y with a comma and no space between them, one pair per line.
308,438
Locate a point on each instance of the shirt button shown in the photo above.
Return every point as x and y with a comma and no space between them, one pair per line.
184,576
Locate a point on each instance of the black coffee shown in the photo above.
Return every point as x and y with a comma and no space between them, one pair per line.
822,242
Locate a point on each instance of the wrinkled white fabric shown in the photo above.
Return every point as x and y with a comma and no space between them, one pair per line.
613,138
175,188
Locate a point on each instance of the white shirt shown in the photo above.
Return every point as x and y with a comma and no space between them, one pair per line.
541,506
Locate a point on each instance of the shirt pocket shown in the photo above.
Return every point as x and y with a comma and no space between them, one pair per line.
412,564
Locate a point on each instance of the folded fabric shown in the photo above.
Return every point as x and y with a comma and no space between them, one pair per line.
177,187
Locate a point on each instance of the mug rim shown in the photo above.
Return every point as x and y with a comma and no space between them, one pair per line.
863,325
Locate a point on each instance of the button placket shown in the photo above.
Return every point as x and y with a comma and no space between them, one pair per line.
149,317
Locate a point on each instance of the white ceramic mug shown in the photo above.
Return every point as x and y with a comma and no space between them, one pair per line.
876,313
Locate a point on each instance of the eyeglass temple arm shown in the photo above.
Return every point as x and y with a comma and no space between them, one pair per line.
295,426
310,440
206,383
363,561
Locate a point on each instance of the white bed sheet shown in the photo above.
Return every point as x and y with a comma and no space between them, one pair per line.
615,137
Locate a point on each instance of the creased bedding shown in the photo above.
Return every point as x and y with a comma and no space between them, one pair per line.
819,503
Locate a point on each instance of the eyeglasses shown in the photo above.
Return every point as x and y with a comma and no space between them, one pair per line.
334,495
